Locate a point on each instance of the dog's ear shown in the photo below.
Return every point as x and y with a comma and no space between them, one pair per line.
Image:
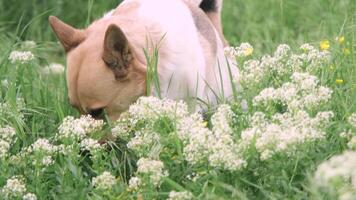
67,35
117,53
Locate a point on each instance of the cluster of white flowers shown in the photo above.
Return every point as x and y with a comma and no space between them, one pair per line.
314,57
147,110
14,188
201,145
302,93
352,120
8,110
338,174
53,68
217,146
134,183
154,169
173,195
44,152
196,136
42,145
350,134
224,150
91,145
244,50
29,196
5,83
283,62
21,56
78,129
152,108
105,181
122,127
29,44
7,134
284,132
143,141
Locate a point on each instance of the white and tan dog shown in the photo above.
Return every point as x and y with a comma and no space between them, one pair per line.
106,61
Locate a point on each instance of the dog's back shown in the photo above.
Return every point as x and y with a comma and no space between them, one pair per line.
191,46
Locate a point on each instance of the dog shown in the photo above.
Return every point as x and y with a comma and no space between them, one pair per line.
107,65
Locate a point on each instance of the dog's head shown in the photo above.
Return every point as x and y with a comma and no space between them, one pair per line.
102,70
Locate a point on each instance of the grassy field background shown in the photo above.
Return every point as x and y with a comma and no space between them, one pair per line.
264,24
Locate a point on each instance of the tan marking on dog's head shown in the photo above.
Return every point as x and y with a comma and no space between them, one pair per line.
103,71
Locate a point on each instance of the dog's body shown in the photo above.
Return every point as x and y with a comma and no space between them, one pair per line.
107,64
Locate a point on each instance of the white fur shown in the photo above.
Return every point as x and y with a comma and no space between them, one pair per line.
181,56
182,65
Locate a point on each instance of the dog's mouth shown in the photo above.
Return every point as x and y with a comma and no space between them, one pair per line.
97,113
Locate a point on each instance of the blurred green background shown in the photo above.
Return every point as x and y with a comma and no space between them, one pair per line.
264,23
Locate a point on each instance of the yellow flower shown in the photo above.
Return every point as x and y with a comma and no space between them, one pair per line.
205,124
248,51
324,45
340,40
339,81
346,51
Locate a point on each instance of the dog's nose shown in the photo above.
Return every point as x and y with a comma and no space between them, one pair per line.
96,113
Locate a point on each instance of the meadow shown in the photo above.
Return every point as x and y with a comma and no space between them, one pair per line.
289,132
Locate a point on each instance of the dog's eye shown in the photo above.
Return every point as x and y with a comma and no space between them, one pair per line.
96,113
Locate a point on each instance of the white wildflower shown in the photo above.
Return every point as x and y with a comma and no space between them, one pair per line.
143,141
153,168
217,147
4,148
5,83
352,143
42,145
224,152
21,56
7,133
47,161
29,44
244,50
54,68
254,71
316,59
173,195
346,134
352,120
282,63
122,127
244,105
72,128
282,51
105,181
195,136
152,108
8,110
29,196
307,47
91,145
134,183
338,174
302,93
284,132
14,188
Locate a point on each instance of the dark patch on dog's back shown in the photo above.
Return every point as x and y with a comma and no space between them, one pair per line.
204,26
209,6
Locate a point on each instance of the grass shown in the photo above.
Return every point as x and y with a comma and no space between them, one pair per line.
265,24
